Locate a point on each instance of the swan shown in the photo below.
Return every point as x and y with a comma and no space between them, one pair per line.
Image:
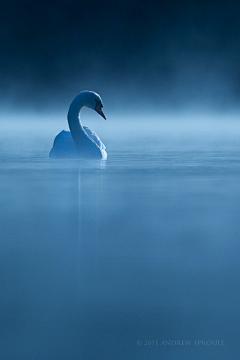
80,142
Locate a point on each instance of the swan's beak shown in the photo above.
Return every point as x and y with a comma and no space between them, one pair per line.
101,113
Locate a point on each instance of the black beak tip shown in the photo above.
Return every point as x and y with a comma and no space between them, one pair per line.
100,112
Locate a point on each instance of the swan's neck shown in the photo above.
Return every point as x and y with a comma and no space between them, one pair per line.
74,122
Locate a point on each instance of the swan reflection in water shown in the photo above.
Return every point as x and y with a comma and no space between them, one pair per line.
81,142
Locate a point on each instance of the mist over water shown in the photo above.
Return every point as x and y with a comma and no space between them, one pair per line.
168,54
32,133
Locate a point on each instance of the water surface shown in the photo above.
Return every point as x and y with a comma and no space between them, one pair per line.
120,259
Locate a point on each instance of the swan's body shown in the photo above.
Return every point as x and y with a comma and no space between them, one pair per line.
80,142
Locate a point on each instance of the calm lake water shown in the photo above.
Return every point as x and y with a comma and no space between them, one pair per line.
136,257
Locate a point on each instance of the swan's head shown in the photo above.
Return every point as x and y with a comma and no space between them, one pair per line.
93,101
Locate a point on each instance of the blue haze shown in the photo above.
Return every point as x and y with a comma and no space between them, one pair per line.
98,255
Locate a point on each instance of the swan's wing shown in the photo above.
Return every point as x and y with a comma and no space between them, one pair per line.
94,137
63,146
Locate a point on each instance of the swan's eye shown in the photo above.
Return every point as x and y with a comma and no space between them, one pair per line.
98,108
99,105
